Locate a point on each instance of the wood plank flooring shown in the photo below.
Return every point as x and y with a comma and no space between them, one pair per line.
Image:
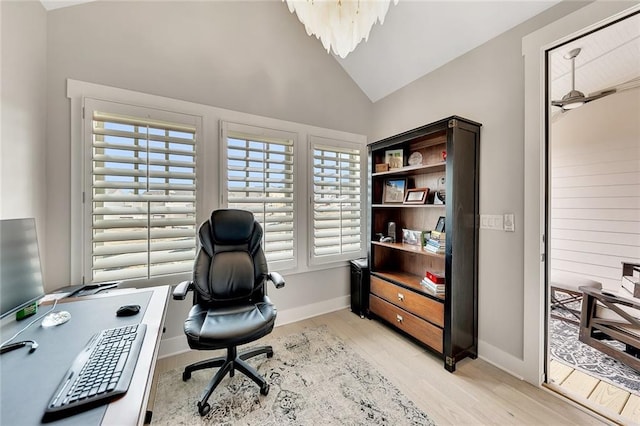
608,400
477,393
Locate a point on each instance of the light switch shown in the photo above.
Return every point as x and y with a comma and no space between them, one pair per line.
491,221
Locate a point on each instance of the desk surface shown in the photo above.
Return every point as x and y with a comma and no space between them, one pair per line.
28,380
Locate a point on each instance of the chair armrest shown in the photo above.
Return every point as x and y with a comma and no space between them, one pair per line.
181,290
276,279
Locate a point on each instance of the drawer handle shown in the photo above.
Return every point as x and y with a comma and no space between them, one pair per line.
398,318
400,297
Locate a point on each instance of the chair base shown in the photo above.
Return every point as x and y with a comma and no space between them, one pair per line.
228,364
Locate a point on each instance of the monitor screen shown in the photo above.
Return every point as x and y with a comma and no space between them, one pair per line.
20,272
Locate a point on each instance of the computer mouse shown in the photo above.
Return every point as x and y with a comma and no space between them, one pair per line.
127,310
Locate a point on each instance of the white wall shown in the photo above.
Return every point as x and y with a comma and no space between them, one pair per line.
23,189
253,57
595,188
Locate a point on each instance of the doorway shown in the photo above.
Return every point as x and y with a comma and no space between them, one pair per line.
593,206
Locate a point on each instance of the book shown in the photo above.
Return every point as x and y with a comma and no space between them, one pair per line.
434,288
436,277
437,236
434,249
438,288
434,243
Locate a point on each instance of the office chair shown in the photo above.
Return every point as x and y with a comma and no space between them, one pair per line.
230,303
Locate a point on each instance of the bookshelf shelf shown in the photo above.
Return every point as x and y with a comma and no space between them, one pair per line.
409,248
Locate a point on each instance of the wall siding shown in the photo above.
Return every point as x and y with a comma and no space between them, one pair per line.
595,188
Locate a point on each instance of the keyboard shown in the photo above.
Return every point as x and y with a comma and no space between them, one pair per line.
101,372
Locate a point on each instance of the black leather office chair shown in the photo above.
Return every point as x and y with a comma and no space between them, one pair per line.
230,304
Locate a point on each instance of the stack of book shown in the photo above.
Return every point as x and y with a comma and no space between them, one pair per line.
436,242
631,282
434,282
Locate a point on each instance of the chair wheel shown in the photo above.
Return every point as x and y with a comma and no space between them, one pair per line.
204,409
264,389
186,375
270,354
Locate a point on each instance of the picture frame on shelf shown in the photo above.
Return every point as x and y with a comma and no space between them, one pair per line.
409,236
394,190
383,167
416,196
394,158
440,224
425,237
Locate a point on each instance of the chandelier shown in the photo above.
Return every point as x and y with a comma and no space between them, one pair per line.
340,24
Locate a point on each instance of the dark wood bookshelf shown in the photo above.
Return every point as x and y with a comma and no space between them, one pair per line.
448,153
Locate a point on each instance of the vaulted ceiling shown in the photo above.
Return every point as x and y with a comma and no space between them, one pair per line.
418,36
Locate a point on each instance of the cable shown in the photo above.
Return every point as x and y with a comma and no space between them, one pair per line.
30,324
9,348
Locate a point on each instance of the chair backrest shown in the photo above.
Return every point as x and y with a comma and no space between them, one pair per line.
230,266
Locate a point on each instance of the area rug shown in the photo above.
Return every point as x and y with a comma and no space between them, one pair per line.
315,380
566,348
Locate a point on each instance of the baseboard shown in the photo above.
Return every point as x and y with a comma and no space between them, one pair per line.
177,345
500,359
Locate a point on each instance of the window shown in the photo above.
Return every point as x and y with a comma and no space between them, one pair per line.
140,195
338,225
260,178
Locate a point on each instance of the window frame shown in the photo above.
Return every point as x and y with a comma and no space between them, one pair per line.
208,169
262,133
313,141
90,104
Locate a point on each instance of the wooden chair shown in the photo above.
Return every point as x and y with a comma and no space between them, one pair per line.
565,290
611,317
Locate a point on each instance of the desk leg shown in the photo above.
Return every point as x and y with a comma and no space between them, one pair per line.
152,397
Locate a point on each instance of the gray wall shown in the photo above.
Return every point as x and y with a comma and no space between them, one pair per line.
485,85
23,189
256,58
252,57
246,56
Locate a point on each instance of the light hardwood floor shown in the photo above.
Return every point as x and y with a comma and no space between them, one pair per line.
477,393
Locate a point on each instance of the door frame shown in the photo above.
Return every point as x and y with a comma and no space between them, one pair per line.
534,49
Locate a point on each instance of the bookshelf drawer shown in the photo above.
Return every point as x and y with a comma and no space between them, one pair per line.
422,330
422,306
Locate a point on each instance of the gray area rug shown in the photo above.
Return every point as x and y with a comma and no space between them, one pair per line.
314,378
566,348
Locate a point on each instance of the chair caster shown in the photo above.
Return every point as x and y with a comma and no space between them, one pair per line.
186,375
264,389
270,354
204,408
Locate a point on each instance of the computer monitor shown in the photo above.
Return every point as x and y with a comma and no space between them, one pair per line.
20,271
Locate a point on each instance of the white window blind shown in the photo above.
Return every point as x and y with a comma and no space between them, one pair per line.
142,196
260,179
338,224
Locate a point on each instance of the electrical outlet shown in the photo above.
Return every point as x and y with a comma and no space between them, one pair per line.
491,221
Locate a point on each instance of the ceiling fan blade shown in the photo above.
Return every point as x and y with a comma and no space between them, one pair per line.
599,95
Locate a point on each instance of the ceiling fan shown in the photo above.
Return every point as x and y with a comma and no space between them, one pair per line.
576,98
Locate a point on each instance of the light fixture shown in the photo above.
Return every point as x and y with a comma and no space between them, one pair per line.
576,98
340,24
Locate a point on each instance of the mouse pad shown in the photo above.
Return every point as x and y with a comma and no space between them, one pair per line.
29,380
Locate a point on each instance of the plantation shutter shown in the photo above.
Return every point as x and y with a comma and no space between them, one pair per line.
338,225
142,196
260,179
